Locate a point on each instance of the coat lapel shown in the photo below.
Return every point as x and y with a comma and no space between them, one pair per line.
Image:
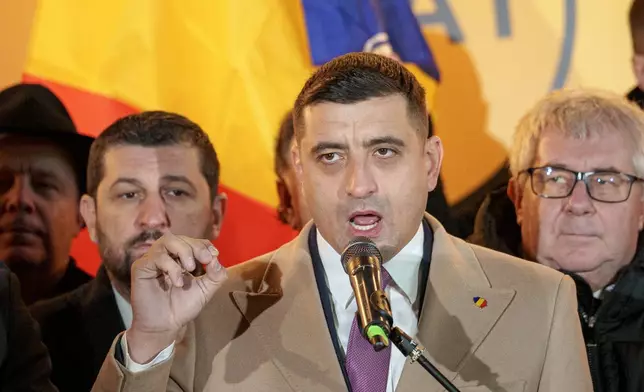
285,313
451,326
102,318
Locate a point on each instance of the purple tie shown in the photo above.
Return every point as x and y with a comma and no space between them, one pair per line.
368,370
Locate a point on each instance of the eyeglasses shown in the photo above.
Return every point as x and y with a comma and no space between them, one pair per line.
557,183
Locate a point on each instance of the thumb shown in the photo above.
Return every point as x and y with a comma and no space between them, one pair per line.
214,277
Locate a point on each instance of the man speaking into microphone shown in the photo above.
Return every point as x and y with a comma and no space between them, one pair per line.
286,321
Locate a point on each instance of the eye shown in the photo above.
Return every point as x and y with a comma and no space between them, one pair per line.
43,185
614,180
177,193
557,179
127,195
385,152
330,157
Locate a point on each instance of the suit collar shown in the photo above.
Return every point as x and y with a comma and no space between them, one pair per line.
288,300
101,315
73,278
285,314
451,326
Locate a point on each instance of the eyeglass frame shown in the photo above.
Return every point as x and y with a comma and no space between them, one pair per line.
581,176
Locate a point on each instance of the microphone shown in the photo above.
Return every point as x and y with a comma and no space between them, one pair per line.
361,260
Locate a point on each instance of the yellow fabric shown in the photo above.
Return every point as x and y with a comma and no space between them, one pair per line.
234,67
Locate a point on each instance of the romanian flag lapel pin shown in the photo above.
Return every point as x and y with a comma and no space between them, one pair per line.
480,302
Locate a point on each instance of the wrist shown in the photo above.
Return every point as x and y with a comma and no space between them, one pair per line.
143,346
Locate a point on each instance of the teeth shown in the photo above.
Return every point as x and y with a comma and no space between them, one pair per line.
363,227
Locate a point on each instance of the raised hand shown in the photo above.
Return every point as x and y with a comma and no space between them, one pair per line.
165,295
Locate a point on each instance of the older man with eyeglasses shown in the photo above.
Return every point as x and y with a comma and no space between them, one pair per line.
575,203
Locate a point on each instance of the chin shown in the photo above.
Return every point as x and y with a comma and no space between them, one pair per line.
580,262
22,255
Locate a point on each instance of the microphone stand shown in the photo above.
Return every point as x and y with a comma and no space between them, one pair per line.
414,352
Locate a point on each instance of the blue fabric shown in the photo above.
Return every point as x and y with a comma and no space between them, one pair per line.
337,27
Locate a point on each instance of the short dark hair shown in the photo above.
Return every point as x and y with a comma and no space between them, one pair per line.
153,129
636,22
283,143
357,77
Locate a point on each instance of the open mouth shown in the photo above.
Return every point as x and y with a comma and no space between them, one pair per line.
365,220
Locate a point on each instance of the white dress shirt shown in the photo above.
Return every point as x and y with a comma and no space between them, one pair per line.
402,293
125,309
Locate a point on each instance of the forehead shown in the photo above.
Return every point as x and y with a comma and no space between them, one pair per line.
343,121
22,153
602,150
151,162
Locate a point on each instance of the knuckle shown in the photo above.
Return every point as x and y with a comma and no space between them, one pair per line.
201,245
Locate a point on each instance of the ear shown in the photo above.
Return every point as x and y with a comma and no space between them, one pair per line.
79,220
515,193
218,212
297,160
88,213
433,160
285,206
638,69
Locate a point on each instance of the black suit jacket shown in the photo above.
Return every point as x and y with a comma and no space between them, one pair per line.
24,363
78,329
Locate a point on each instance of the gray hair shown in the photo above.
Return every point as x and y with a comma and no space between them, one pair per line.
579,114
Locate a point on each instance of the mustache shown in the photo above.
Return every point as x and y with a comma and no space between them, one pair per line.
145,236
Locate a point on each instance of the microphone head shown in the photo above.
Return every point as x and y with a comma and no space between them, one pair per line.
360,247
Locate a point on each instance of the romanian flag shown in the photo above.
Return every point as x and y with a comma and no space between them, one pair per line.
234,67
480,302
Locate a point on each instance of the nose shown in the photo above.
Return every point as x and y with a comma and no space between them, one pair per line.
19,196
361,182
579,201
152,213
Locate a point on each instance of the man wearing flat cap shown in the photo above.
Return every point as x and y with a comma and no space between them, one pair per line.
42,176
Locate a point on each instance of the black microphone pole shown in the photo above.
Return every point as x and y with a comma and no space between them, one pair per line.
362,261
410,349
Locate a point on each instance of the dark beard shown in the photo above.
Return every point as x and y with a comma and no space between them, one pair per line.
120,265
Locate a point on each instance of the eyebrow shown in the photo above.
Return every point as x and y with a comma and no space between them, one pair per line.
328,146
46,174
594,169
391,140
126,180
33,171
166,178
384,140
178,178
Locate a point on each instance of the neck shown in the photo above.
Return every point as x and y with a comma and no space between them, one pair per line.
596,280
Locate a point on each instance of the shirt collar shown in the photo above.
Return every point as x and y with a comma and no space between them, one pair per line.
403,268
125,309
600,293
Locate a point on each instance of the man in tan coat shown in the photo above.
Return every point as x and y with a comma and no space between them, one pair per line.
285,321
